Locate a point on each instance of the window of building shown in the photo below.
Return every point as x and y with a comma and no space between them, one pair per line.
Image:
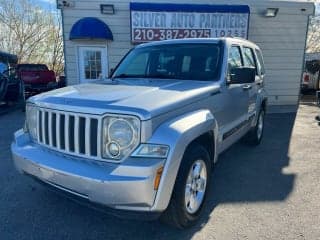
92,63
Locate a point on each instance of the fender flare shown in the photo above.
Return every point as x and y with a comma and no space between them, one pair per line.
178,133
262,97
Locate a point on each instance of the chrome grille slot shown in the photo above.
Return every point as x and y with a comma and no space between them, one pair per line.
82,135
46,128
71,133
53,129
94,137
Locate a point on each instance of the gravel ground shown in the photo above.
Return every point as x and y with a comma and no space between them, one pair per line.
268,192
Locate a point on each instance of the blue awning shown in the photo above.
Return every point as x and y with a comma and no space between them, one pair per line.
90,28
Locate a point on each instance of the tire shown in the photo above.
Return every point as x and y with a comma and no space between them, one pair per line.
3,86
255,135
183,211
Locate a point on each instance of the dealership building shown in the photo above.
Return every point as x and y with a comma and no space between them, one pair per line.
97,34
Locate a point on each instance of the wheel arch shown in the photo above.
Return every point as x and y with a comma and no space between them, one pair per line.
207,140
195,127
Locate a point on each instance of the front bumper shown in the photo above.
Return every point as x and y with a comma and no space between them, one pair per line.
40,87
125,186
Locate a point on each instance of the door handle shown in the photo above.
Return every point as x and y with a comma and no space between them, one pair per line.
247,87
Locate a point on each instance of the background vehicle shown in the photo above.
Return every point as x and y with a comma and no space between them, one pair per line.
37,78
10,86
145,141
310,77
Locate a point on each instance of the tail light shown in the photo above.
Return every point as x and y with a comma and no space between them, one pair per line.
306,78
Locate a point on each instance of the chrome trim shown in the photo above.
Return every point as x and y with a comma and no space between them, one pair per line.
87,133
86,152
50,128
76,135
66,132
58,130
42,125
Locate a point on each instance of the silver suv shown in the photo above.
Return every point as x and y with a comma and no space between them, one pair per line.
144,142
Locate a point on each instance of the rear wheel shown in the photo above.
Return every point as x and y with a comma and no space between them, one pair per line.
255,135
190,189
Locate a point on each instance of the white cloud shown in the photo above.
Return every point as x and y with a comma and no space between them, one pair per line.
49,1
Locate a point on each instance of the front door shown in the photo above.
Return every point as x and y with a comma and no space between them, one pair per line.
92,63
236,103
237,94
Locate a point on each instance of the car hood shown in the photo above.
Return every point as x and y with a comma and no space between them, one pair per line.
144,98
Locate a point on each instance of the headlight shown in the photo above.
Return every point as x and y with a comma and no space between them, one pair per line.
121,135
31,121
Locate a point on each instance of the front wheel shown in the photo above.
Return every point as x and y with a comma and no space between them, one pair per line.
190,189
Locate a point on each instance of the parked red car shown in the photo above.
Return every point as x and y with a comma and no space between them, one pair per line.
37,78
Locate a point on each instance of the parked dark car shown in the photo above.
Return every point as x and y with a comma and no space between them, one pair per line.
10,86
14,86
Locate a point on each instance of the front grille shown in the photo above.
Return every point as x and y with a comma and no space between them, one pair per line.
72,133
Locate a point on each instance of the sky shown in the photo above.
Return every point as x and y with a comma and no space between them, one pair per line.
47,4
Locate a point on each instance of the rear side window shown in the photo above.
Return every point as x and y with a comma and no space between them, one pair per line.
248,58
260,62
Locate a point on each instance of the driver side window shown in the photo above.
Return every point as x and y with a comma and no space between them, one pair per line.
234,59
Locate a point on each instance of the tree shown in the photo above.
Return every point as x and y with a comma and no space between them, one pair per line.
32,33
313,40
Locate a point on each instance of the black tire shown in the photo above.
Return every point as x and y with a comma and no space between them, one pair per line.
177,214
254,136
3,86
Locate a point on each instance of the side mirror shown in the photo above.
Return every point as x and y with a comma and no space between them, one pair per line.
242,75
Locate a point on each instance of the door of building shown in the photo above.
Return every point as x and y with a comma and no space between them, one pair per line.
92,63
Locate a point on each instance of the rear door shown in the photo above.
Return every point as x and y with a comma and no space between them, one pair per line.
250,60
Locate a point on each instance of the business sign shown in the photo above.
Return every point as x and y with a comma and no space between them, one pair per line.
154,22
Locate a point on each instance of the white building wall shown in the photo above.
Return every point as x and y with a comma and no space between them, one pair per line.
282,39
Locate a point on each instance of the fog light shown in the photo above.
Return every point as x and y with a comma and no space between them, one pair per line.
114,149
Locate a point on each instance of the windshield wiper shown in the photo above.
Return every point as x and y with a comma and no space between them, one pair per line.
161,76
123,75
155,76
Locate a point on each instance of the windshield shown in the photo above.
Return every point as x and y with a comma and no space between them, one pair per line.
177,61
35,67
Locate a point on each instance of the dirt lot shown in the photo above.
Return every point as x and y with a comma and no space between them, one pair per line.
268,192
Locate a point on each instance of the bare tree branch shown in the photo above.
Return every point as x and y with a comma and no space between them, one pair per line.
32,33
